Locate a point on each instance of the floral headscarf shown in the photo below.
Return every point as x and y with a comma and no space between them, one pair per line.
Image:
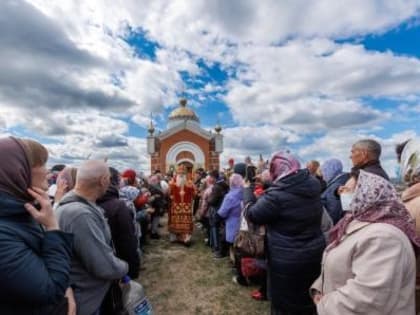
331,168
283,164
375,200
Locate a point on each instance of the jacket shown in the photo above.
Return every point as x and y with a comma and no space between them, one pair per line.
291,209
330,200
121,222
34,265
411,199
372,271
373,167
94,264
230,211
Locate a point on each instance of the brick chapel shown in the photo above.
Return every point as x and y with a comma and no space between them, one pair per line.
184,143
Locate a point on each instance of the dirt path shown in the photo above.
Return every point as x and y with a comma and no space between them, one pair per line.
180,280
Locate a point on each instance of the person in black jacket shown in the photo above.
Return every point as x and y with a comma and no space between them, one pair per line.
220,189
35,255
291,209
157,201
121,222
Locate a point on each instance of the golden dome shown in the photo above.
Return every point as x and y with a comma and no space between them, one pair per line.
182,112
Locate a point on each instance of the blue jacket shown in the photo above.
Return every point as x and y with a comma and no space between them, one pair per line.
230,210
34,265
291,209
330,200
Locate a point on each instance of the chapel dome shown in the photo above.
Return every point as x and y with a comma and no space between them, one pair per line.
183,113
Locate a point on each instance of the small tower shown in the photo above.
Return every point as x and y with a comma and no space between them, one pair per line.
151,141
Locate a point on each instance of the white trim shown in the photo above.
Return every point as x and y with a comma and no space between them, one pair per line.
185,146
185,160
194,128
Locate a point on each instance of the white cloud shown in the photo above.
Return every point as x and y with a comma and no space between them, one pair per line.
338,144
288,78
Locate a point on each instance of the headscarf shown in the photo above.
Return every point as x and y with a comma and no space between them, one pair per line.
283,164
236,181
130,175
375,200
331,168
15,169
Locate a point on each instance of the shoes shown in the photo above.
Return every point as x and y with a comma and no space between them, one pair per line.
155,236
257,295
240,280
218,255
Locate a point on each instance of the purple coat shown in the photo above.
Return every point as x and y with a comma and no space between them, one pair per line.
230,210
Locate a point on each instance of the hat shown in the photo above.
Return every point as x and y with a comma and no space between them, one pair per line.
240,168
130,175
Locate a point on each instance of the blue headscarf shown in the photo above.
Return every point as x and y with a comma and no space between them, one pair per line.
331,169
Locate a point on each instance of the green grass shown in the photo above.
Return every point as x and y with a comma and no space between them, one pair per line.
181,280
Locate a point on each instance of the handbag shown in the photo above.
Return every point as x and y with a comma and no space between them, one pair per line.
249,241
251,268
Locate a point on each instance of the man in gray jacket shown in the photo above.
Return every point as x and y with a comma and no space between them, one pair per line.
94,264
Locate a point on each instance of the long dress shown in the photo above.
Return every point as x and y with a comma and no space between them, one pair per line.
180,219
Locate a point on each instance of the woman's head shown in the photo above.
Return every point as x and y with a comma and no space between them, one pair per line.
37,156
236,180
331,168
371,191
283,164
68,174
23,165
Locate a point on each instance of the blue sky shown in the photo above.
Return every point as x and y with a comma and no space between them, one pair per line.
312,77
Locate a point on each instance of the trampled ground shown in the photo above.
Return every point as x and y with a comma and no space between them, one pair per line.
188,281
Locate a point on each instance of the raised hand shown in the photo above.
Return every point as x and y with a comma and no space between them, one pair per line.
45,215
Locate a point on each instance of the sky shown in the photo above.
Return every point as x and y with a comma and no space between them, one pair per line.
85,77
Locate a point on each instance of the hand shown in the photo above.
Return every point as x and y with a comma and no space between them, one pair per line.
71,302
247,184
62,187
150,210
317,298
45,215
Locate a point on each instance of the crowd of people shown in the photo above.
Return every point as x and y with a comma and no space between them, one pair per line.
316,239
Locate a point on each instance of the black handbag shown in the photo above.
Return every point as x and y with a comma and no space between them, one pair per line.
60,308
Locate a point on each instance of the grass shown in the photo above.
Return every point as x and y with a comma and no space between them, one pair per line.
188,281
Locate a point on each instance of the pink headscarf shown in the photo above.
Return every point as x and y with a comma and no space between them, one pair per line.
375,200
283,164
236,180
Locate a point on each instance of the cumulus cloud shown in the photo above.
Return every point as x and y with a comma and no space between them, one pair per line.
338,144
68,75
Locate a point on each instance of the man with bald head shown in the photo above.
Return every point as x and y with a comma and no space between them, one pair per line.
94,264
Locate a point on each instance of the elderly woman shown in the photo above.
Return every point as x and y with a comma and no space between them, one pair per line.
35,254
369,265
411,199
332,173
230,210
291,209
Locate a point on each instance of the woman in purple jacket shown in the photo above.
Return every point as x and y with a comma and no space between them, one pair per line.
230,210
